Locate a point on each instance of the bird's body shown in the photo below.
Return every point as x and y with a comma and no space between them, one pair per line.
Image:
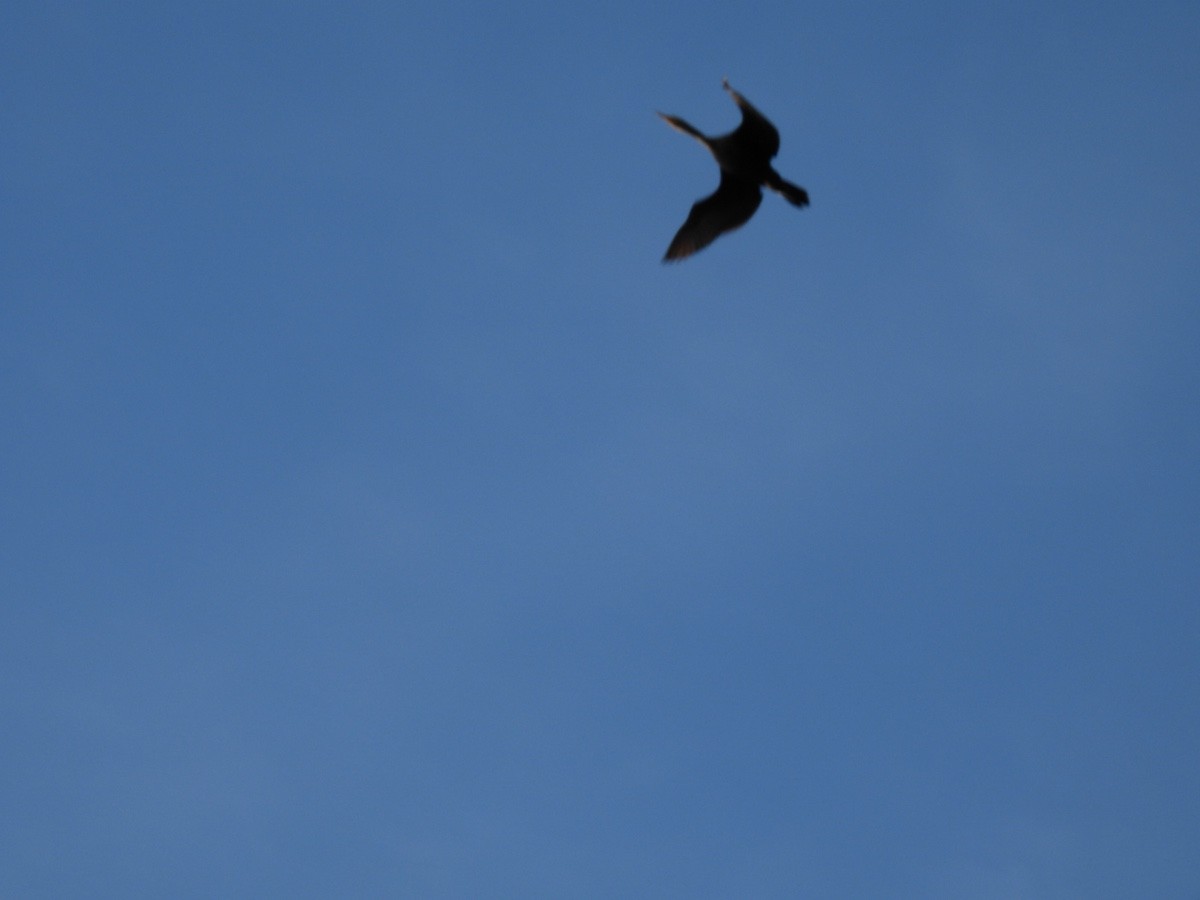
744,156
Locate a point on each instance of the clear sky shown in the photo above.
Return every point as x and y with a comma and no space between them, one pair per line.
381,518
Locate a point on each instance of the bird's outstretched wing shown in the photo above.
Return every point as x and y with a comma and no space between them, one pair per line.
732,205
756,130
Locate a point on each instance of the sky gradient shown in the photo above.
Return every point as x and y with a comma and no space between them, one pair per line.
381,518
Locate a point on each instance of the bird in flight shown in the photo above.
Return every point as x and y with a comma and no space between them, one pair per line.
744,156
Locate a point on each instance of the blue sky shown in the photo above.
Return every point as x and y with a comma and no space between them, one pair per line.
381,518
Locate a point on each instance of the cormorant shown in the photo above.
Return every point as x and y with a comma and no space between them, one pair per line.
744,156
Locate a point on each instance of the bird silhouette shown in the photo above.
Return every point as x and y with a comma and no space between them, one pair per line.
744,156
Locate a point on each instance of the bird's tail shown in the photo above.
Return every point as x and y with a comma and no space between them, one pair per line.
794,194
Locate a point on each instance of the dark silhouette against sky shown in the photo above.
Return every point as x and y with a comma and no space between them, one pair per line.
380,518
744,156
